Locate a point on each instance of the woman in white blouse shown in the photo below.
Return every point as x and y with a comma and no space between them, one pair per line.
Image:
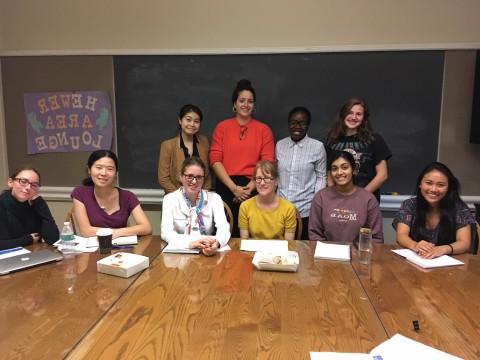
190,215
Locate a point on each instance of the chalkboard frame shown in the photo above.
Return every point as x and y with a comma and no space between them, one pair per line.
403,90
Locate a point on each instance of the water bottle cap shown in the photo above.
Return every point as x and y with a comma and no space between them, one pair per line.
66,223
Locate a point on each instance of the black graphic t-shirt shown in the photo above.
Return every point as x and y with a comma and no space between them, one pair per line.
367,155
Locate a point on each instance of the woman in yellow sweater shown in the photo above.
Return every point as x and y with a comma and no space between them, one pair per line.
266,215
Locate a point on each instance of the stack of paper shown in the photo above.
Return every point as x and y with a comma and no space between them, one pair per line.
440,261
332,251
396,348
122,264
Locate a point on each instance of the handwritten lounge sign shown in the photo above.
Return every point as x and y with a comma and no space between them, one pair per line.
68,121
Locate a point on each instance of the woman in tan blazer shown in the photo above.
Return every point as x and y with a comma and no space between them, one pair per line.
186,144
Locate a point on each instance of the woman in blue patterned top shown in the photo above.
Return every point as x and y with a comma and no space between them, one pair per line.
435,222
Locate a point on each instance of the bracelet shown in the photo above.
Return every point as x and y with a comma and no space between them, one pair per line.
451,249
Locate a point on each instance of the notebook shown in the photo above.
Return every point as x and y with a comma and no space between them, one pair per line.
25,261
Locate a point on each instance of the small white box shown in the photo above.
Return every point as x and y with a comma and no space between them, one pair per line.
122,264
283,261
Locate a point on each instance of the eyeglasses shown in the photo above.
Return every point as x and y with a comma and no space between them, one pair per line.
243,132
190,177
24,182
297,123
259,180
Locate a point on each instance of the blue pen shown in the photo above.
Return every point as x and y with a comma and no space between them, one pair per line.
10,250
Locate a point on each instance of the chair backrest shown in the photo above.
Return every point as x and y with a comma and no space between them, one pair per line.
69,217
229,215
299,229
475,229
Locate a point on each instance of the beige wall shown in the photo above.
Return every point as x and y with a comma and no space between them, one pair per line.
86,26
454,147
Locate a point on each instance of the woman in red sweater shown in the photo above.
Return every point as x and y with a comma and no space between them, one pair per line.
237,145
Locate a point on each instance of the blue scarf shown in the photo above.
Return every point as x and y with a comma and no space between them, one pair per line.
196,223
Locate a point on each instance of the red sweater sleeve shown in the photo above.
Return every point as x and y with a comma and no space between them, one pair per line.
268,148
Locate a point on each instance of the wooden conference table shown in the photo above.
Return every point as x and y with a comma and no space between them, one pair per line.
189,306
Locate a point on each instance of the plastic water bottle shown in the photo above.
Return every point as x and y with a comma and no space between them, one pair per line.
67,236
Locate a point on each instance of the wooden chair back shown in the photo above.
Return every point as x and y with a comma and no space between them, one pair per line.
69,217
229,215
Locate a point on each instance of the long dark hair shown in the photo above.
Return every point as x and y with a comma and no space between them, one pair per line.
364,132
96,155
447,207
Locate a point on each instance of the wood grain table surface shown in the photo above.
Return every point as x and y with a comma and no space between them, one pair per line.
445,301
45,311
220,307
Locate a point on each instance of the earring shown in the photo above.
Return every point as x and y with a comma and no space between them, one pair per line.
254,110
234,109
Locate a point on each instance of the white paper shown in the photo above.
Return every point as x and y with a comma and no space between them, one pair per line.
338,356
399,347
224,248
126,240
332,251
440,261
174,250
272,246
170,248
13,252
82,245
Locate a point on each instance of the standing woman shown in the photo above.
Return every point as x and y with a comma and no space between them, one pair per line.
267,215
98,203
237,145
24,216
339,211
186,144
193,217
435,222
352,132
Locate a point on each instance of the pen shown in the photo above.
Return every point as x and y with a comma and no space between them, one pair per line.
122,247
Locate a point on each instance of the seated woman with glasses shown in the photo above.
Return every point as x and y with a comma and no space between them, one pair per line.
193,217
339,211
266,215
98,203
24,216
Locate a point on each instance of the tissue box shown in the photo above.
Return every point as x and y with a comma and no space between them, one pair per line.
122,264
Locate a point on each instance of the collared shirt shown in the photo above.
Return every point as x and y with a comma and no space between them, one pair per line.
302,169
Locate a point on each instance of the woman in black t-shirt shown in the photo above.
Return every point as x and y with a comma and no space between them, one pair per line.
352,132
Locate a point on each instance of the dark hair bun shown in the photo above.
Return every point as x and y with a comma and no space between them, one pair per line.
244,84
